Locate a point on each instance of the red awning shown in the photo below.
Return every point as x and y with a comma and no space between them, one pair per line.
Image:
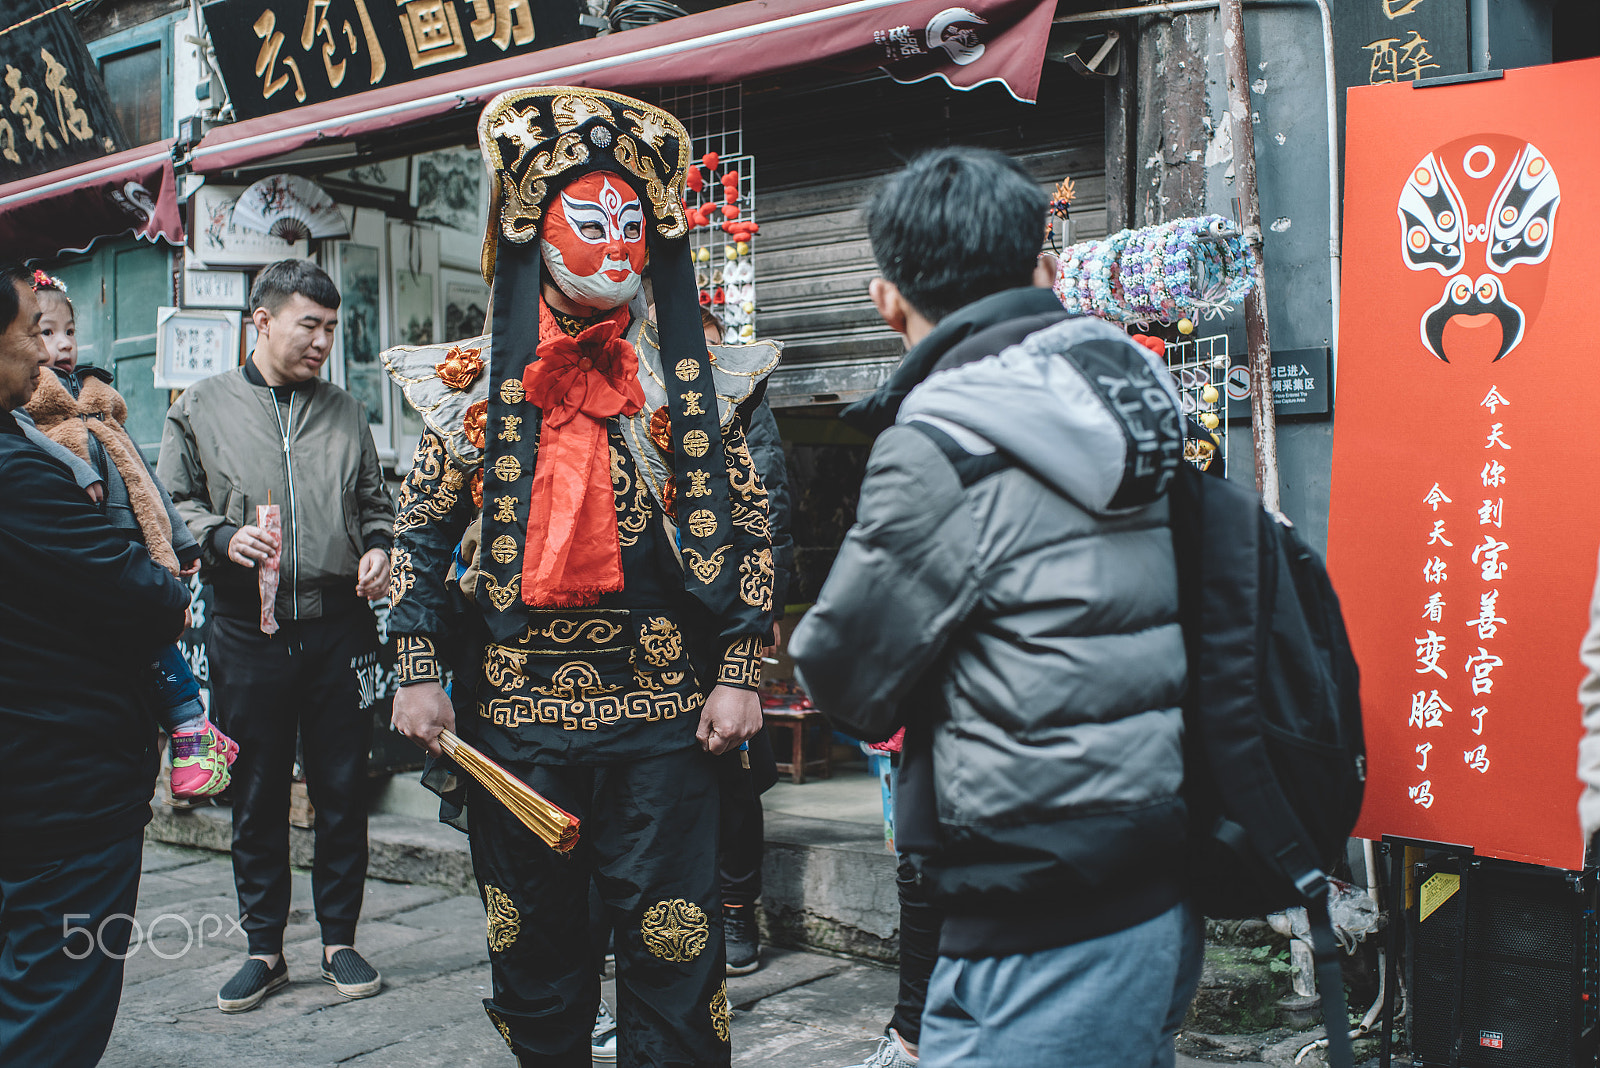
982,41
68,209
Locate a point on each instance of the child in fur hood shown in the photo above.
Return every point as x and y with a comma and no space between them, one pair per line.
78,418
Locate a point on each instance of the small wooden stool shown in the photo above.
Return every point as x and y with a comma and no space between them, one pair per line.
796,721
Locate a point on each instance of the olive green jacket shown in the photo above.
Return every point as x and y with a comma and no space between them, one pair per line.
229,443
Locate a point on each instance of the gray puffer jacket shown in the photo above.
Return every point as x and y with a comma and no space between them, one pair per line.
1025,629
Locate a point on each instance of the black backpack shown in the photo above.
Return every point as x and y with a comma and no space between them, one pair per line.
1275,763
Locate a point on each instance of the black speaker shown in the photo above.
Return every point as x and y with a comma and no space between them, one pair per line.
1503,972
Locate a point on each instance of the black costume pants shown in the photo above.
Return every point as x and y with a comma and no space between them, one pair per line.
264,688
648,840
743,842
60,986
919,952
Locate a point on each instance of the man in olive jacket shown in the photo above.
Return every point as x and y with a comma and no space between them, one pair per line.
272,430
83,612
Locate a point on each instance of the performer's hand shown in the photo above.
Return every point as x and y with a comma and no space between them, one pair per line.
250,545
96,492
731,717
372,574
772,640
190,568
421,711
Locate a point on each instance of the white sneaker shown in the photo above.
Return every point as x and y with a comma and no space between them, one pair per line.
890,1054
603,1039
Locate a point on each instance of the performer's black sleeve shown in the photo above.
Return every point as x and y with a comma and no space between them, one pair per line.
433,510
745,623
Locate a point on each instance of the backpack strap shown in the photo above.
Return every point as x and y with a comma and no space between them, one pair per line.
970,467
1330,980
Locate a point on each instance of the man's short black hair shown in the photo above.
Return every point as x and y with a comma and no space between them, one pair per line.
279,281
11,276
956,225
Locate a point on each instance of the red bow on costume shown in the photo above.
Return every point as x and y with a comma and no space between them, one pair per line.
572,555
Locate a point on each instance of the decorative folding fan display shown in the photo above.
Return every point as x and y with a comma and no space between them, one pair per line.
289,207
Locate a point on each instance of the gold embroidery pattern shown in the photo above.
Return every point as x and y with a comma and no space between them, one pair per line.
699,484
415,659
505,510
431,487
593,631
508,428
742,477
657,682
504,549
633,514
751,519
576,682
511,391
649,128
741,664
675,930
702,523
696,443
500,1025
755,579
500,596
504,922
504,668
691,403
721,1015
507,468
660,641
705,568
400,577
573,111
686,369
668,208
520,210
516,711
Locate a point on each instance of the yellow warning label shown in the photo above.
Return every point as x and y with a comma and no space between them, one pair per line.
1437,890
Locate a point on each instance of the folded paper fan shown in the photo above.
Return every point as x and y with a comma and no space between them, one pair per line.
555,826
289,207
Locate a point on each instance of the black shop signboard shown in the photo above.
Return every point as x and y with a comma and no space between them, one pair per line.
279,54
53,107
1300,383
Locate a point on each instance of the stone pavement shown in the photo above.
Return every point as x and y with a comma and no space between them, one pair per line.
800,1010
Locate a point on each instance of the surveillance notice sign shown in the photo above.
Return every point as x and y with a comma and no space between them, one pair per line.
1463,523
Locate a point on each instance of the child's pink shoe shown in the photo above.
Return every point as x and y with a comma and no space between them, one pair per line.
200,761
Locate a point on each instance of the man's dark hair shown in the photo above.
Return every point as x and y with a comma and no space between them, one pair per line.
11,276
279,281
956,225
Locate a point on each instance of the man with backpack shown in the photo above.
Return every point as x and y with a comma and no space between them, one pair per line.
1009,595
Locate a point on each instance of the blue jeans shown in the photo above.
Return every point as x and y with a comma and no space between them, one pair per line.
1110,1002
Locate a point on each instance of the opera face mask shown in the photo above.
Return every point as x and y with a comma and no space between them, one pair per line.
593,241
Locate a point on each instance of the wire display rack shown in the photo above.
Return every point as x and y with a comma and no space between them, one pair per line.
1200,367
724,265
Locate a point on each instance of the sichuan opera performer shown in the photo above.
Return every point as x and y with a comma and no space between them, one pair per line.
582,545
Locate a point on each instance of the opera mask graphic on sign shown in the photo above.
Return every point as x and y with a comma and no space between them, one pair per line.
1481,211
594,242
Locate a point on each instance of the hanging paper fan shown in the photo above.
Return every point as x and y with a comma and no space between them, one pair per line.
289,207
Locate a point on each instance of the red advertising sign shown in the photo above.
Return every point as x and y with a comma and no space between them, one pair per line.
1464,520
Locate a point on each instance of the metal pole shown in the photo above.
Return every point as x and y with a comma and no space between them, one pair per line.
1263,416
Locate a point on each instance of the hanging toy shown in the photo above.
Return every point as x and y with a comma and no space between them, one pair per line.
1209,395
710,160
694,179
729,252
718,297
744,248
1209,420
731,211
703,256
1185,326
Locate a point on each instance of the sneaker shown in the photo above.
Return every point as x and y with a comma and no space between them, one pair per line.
252,984
200,761
350,975
603,1039
741,939
890,1054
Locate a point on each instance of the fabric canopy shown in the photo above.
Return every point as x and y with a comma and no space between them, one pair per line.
983,41
68,209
